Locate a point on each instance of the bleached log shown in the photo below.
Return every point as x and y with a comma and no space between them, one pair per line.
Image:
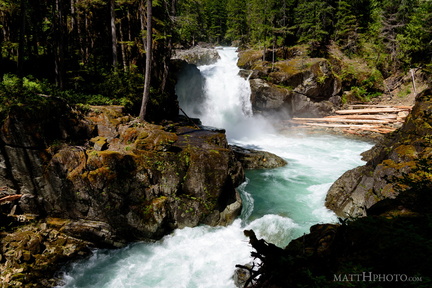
404,107
10,198
369,106
369,111
366,117
341,120
380,130
353,126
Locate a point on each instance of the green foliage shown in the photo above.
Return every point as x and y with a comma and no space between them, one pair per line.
190,21
119,88
416,41
346,27
15,91
236,20
313,21
216,19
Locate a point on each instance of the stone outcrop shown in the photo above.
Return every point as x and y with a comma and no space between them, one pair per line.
143,180
108,179
255,159
30,255
333,255
198,55
302,86
393,166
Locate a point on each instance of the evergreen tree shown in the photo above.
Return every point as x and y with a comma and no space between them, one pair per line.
216,19
389,20
346,28
313,23
190,21
236,20
261,18
284,19
416,39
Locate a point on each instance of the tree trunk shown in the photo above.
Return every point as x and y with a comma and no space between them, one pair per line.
148,62
113,34
122,48
22,38
59,43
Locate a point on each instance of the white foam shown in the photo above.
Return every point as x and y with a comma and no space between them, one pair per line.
279,204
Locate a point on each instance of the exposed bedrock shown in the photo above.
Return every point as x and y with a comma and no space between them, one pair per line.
141,180
398,163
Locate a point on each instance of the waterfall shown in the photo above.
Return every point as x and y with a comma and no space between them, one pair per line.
224,100
278,204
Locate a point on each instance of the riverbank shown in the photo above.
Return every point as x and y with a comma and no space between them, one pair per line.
384,209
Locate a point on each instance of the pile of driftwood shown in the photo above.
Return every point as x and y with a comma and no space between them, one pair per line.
360,118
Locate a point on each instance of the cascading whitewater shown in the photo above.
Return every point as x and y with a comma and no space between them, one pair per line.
226,98
278,204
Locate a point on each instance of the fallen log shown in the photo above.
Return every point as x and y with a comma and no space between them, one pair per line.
341,120
404,107
340,125
369,105
380,130
369,111
10,198
366,117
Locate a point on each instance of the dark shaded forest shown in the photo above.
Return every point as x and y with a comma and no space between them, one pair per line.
94,51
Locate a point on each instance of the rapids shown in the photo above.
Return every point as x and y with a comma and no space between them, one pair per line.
278,204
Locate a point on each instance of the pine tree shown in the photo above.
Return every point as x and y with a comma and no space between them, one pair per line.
236,20
261,18
416,39
313,23
190,21
389,20
216,19
346,28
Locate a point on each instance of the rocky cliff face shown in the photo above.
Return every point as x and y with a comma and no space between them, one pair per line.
303,86
140,180
398,163
392,191
101,178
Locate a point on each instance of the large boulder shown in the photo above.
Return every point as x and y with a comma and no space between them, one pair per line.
305,87
256,159
266,97
198,55
400,162
141,180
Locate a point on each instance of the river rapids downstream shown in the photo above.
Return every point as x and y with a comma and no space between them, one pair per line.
278,204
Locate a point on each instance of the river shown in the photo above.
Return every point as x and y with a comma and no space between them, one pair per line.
278,204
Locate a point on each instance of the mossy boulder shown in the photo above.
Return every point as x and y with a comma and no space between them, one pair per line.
142,180
300,85
30,255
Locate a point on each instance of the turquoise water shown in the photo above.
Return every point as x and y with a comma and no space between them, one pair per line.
278,204
297,191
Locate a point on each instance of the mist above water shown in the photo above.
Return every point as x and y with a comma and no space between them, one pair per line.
224,101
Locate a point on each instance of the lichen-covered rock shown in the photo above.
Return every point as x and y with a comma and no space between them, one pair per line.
141,180
305,87
394,165
30,255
